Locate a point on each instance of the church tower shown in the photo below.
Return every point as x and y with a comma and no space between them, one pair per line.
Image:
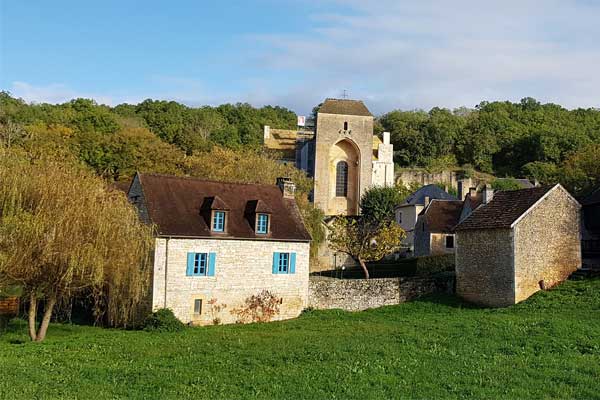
343,155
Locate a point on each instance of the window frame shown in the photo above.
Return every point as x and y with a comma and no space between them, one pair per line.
199,313
283,265
259,224
215,221
198,259
341,178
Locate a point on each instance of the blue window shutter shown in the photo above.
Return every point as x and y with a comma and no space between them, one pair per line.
190,264
292,263
212,257
275,262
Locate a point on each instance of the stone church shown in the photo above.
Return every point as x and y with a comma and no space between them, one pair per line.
341,154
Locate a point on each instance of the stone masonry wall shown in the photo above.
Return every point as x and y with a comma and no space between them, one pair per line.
361,294
485,266
243,268
547,243
329,132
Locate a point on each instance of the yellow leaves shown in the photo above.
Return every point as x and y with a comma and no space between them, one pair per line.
61,223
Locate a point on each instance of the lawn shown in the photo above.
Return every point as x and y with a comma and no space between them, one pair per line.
436,347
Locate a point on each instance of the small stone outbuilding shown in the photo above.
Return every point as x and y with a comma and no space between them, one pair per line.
520,242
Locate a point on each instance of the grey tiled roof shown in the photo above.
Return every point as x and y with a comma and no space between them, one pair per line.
431,191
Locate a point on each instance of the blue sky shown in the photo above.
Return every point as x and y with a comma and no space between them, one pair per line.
390,53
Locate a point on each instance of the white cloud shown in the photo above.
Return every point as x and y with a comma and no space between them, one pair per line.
427,53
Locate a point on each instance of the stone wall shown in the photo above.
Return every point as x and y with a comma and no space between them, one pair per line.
243,268
485,266
328,134
361,294
547,243
438,244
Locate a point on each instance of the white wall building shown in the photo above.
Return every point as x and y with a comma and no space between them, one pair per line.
219,243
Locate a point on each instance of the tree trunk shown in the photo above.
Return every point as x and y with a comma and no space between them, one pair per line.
364,267
32,315
46,320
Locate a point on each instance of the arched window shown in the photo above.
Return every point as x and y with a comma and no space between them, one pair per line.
345,125
341,179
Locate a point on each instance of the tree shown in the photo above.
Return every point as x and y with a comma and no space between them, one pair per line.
365,240
62,233
506,184
378,203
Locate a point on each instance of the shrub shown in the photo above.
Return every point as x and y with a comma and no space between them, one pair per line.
258,308
163,320
429,265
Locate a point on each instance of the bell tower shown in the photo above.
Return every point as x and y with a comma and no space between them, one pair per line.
343,155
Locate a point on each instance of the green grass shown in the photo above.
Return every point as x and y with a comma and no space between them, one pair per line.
546,347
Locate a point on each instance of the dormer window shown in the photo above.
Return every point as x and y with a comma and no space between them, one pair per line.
262,224
218,221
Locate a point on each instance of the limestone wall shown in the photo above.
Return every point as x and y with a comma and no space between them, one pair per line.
329,133
361,294
547,243
438,244
243,268
485,266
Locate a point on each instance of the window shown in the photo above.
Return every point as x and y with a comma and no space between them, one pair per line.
341,179
218,224
449,242
262,223
197,306
201,264
284,263
345,125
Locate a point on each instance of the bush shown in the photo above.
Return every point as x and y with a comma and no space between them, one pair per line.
163,320
429,265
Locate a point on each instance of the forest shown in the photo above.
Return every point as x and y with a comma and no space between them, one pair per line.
526,139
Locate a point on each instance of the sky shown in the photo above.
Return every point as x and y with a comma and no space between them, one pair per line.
392,54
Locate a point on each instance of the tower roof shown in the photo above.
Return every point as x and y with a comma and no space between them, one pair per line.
345,107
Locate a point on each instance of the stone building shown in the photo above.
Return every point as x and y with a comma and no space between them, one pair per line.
519,242
406,214
341,154
220,243
434,234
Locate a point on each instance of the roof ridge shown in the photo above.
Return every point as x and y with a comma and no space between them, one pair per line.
194,178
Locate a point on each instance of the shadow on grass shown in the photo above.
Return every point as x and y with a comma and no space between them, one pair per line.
448,300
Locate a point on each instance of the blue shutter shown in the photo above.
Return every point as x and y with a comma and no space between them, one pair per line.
292,263
190,264
211,264
275,262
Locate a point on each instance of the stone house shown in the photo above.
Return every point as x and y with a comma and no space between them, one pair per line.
434,233
518,243
217,244
406,214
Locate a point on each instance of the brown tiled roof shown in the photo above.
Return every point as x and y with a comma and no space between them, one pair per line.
345,107
442,215
174,205
504,209
474,201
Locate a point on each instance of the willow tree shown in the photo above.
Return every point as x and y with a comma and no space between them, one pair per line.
63,233
364,239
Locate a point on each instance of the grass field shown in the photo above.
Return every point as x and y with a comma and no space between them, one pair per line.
546,347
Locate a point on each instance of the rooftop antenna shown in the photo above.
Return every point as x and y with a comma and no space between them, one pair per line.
345,94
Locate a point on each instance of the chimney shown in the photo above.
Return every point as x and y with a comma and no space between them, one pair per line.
536,183
472,192
266,132
386,138
426,201
287,187
488,194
